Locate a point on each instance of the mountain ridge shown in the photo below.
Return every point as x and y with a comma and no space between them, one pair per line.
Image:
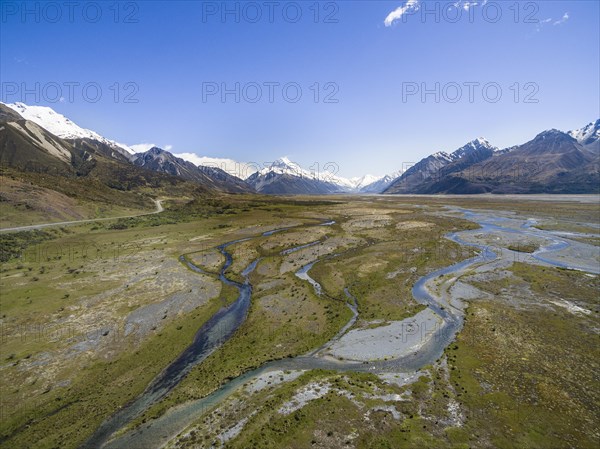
552,162
160,160
468,169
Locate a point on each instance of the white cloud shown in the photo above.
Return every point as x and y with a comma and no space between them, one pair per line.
141,147
409,7
190,157
168,147
465,4
564,18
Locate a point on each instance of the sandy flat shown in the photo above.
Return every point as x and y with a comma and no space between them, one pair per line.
397,339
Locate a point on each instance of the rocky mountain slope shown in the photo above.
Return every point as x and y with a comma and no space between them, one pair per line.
553,162
162,161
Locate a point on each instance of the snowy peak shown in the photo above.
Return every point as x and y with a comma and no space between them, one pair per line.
284,162
61,126
588,131
441,156
474,145
284,176
284,165
440,164
378,185
52,121
363,181
588,136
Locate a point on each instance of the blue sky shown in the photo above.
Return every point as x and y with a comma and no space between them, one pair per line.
175,58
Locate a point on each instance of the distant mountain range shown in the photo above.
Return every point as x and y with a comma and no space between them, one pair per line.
162,161
553,162
441,164
286,177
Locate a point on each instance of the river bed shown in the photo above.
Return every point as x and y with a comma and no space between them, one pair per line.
396,348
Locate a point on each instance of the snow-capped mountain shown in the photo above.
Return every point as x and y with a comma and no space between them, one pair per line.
286,177
588,136
244,170
363,181
82,148
471,147
62,127
431,166
553,162
285,166
271,179
24,142
380,184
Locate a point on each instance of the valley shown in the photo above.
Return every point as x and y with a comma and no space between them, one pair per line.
378,344
306,225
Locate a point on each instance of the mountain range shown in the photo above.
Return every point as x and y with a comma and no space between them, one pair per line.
159,160
553,162
38,139
64,146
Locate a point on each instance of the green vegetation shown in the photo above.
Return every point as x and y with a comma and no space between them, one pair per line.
382,273
561,283
522,372
41,299
527,373
14,245
514,378
64,417
524,248
269,333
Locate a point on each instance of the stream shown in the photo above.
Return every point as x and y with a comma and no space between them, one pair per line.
218,329
212,334
225,322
